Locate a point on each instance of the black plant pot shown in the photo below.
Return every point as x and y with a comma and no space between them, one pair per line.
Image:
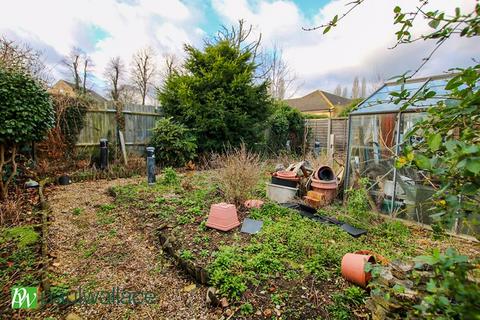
285,183
64,180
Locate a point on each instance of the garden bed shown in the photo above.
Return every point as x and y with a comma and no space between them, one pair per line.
291,268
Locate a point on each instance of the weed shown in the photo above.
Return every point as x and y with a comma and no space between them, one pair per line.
103,215
277,299
223,271
185,219
202,226
107,207
238,174
186,255
160,200
246,309
88,252
170,177
343,302
77,211
204,253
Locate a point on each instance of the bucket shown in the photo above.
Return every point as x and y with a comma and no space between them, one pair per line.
280,194
353,268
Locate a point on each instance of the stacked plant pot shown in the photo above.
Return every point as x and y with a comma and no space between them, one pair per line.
324,187
284,186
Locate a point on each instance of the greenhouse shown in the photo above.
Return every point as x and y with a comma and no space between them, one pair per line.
376,138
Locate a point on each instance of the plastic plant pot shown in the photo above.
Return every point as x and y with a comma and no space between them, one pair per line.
353,268
223,216
284,182
280,194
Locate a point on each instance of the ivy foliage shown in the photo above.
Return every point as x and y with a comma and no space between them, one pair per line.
217,97
70,117
26,111
174,143
285,123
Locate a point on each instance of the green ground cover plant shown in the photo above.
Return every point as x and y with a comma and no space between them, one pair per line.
289,250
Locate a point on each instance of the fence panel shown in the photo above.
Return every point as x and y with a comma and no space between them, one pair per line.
102,123
321,129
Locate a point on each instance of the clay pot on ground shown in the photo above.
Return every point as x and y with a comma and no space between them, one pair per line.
253,203
223,216
353,268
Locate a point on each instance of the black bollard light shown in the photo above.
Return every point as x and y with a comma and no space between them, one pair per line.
103,154
316,148
151,165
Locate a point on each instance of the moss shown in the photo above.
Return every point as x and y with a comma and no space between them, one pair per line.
24,236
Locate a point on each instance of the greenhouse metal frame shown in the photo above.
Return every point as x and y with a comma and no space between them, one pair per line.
376,131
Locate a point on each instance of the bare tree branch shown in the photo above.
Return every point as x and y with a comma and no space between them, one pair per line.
114,74
143,69
22,57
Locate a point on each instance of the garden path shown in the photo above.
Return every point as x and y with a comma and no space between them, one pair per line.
97,247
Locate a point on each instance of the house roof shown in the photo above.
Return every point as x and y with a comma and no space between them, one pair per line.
317,100
91,93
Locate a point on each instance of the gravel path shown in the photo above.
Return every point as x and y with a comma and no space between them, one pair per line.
97,247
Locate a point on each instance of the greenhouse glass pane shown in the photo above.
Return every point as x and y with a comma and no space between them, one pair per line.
413,187
372,150
380,102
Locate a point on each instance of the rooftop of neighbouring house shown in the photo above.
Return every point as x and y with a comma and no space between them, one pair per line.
318,100
60,86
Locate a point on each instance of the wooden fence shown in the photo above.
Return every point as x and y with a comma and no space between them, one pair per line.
329,132
102,123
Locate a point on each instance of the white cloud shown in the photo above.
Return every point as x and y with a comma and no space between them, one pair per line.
62,24
357,46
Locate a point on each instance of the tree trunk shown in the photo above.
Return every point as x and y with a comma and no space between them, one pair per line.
4,185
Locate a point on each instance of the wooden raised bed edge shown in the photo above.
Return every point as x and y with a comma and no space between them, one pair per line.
45,211
171,248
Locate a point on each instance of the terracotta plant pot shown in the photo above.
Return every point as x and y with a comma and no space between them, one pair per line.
253,203
223,216
327,189
286,175
353,268
324,173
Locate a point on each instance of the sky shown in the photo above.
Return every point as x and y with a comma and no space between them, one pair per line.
358,46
